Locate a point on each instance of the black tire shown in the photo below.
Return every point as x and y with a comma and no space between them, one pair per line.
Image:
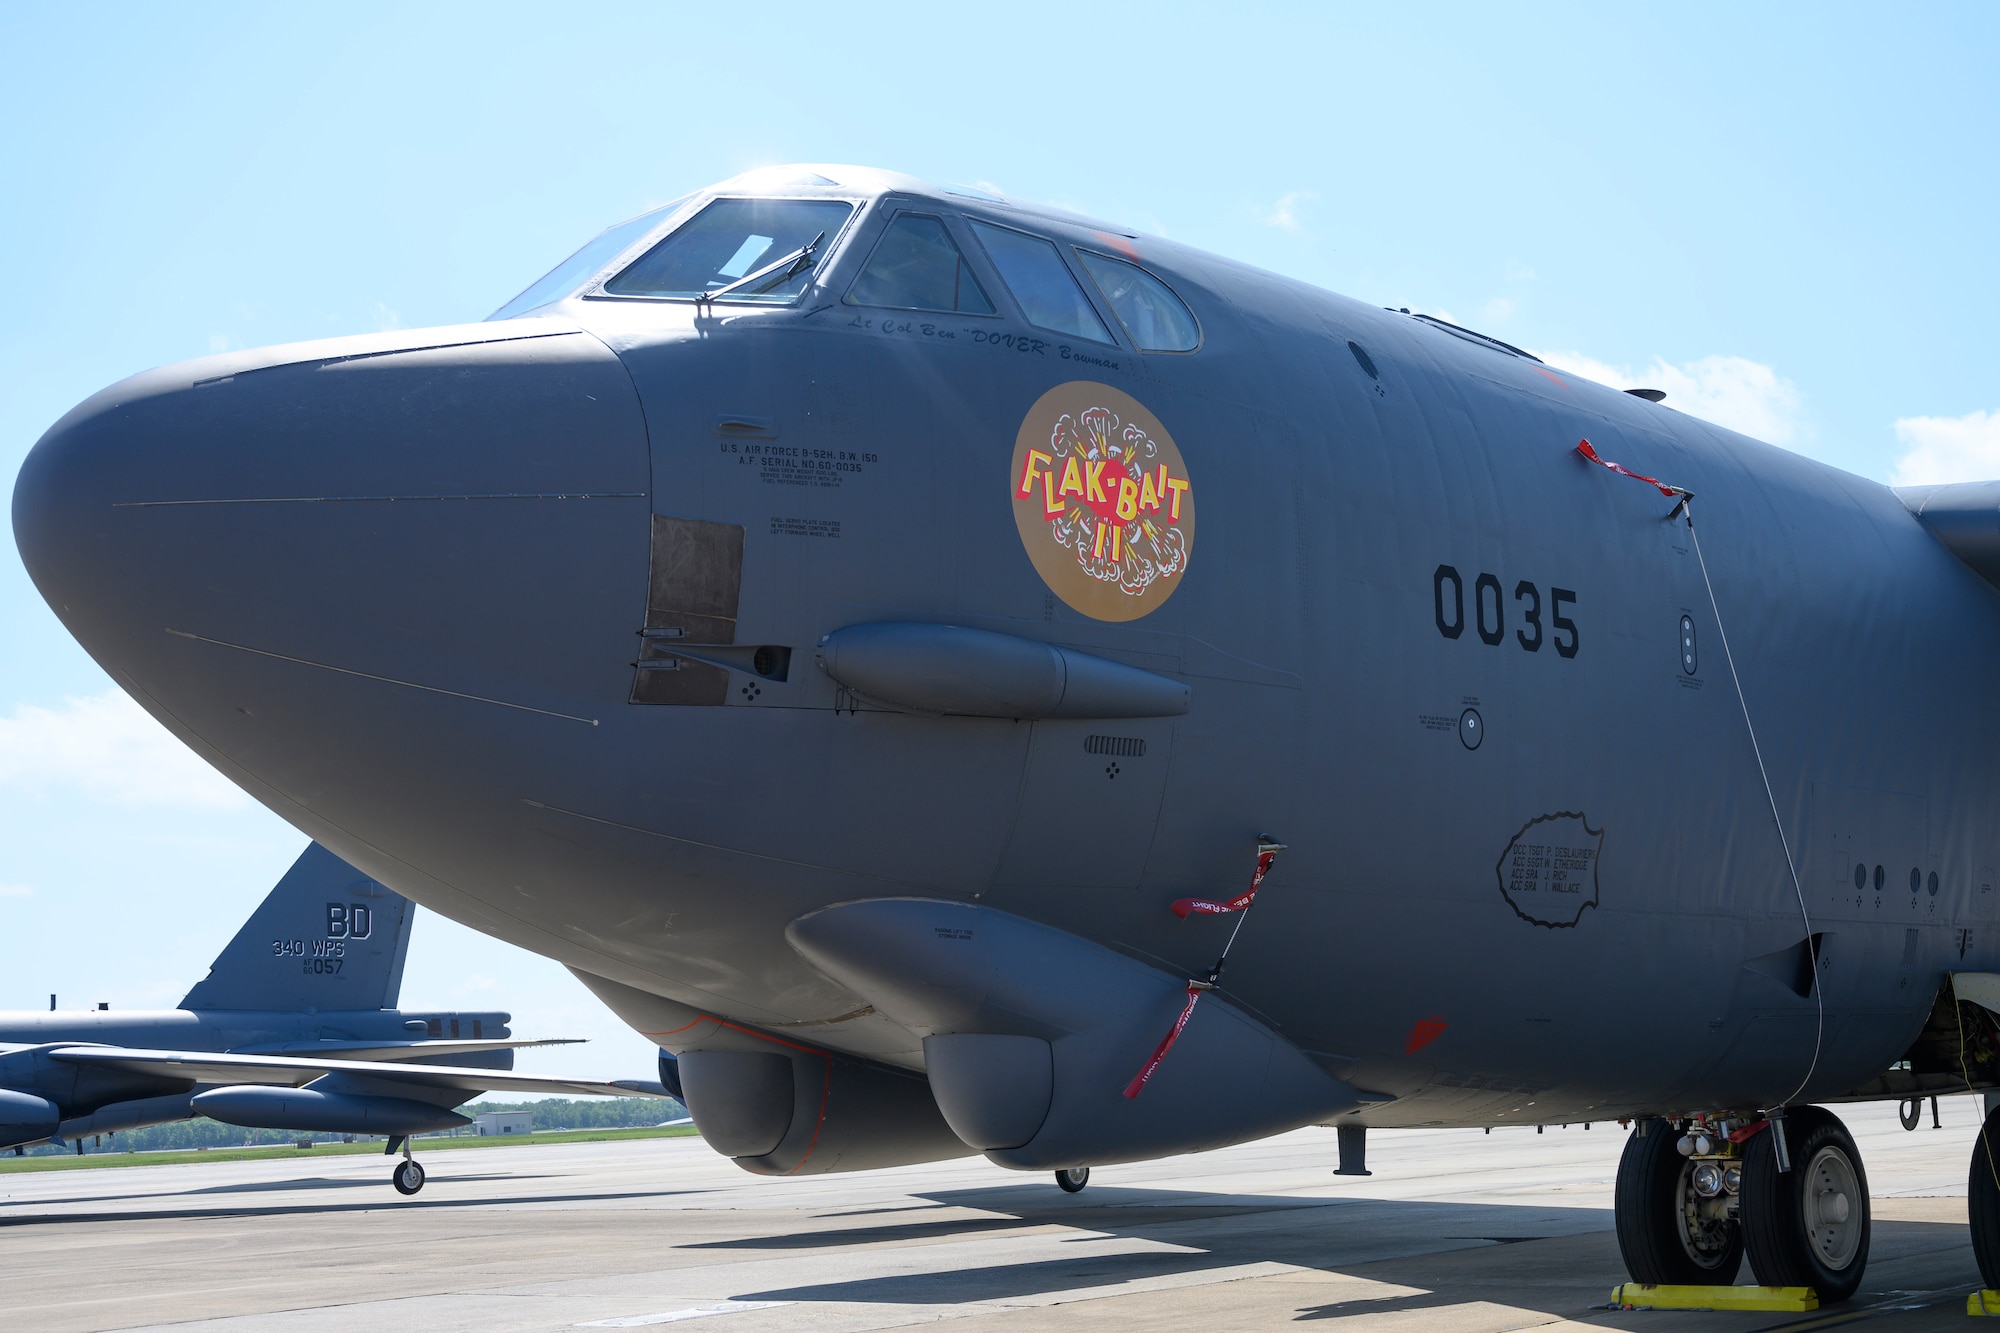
1073,1179
1667,1233
1982,1202
1810,1226
408,1177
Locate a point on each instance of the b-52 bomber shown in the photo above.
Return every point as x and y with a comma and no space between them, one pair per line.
874,634
294,1027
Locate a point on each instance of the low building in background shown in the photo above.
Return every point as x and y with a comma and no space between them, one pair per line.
504,1122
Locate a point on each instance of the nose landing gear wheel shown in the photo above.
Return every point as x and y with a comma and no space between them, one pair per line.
1668,1233
408,1177
1073,1179
1807,1227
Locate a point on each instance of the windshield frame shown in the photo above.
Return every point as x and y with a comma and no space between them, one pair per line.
896,209
670,216
1086,286
827,251
1132,261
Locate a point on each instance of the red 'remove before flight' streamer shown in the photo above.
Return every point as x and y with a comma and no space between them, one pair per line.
1187,907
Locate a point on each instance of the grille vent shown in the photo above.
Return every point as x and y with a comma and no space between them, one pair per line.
1124,747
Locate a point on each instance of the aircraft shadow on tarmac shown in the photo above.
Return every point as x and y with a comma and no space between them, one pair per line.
337,1183
1426,1255
26,1219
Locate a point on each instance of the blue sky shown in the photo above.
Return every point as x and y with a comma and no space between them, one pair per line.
1784,215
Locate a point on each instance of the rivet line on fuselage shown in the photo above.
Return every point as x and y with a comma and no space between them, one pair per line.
386,680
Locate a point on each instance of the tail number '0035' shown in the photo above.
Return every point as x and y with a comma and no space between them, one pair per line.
1489,612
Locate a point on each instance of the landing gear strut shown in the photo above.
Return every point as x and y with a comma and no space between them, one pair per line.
408,1177
1676,1214
1073,1179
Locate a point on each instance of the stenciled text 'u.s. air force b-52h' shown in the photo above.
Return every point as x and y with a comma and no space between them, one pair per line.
869,632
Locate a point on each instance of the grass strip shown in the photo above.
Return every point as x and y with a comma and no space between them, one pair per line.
424,1145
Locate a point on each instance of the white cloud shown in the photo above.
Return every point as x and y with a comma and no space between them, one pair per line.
1939,449
110,748
1731,391
16,891
1284,215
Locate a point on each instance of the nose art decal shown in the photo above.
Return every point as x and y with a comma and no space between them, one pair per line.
1103,501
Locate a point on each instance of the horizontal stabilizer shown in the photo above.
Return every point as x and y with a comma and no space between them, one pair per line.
400,1050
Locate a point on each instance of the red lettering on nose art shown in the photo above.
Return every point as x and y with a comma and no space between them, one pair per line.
1424,1033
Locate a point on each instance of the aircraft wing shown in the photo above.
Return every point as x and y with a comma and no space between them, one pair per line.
207,1067
400,1050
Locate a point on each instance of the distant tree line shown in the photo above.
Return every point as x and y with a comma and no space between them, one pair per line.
552,1113
594,1113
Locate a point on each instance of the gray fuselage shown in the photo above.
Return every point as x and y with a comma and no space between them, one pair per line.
392,586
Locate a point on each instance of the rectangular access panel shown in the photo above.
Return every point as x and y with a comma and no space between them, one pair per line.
692,589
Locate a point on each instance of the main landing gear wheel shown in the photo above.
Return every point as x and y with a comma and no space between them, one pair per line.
1982,1201
1669,1232
1807,1227
1073,1179
408,1177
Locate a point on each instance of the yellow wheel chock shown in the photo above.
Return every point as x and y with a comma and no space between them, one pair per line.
1640,1295
1983,1303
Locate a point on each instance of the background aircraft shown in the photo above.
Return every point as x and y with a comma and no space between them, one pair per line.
791,615
294,1027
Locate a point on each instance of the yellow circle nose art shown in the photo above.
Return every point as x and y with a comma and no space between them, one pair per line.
1103,501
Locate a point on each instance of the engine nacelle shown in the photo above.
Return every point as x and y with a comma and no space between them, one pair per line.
26,1118
1031,1035
781,1107
794,1110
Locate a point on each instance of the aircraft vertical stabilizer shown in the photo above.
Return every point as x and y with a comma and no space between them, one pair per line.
327,937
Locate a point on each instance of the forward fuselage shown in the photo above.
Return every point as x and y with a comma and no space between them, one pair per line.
394,587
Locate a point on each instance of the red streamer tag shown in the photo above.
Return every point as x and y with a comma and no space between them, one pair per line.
1748,1131
1152,1065
1187,907
1584,447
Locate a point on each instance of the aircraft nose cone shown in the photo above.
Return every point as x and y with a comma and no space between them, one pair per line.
273,550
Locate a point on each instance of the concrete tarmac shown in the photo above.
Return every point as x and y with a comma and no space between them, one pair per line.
1455,1230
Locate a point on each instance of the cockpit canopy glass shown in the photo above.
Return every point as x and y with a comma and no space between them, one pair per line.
573,272
1158,320
1041,282
916,266
735,239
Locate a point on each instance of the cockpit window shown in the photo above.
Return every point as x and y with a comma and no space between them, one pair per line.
1041,282
916,266
573,272
1158,320
757,250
